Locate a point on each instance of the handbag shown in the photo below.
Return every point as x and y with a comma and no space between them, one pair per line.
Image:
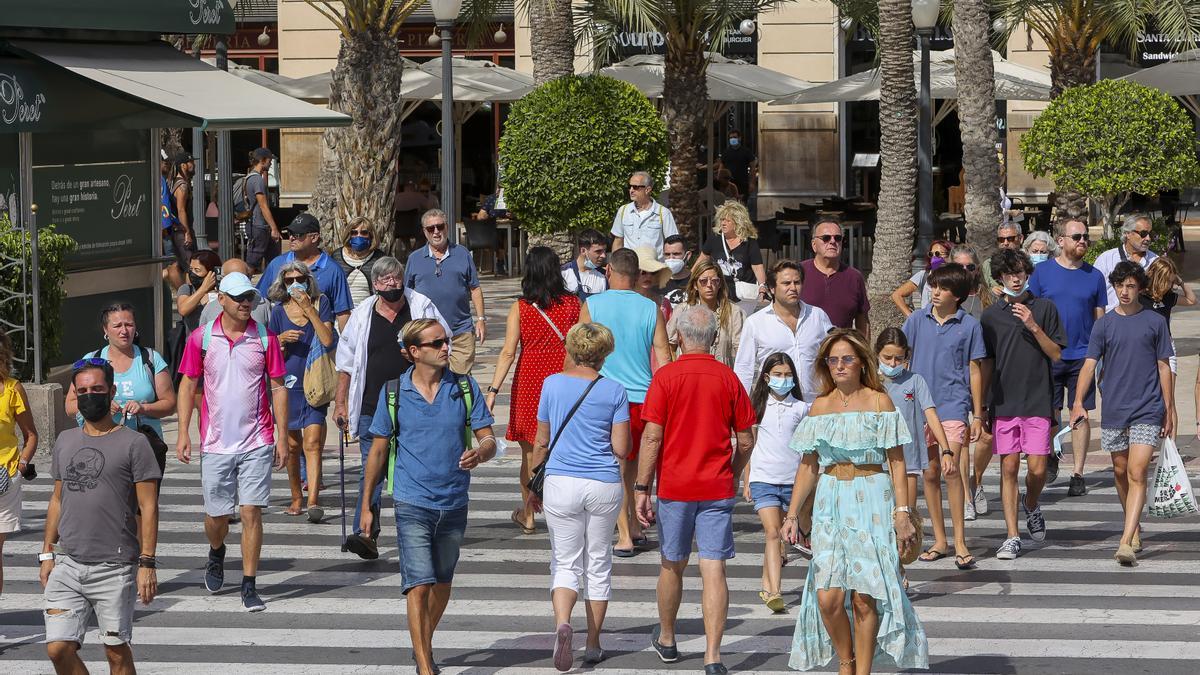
157,444
320,373
910,556
537,481
1170,494
742,290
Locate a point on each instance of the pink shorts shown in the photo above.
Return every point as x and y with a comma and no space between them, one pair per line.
956,433
1030,435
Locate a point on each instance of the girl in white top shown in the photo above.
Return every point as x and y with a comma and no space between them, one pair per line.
771,472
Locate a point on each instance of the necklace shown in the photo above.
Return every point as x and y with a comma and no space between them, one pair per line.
845,398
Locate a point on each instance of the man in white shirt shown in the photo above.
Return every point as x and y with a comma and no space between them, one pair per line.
1136,232
643,221
584,276
786,325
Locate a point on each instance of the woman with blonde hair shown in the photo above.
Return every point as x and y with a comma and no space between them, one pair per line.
738,256
15,458
851,444
706,287
357,255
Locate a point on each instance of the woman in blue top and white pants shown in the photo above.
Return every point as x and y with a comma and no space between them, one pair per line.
583,488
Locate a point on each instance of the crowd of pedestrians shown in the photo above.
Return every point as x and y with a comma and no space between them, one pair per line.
651,391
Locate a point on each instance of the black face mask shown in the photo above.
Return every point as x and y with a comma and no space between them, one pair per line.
93,407
391,294
195,279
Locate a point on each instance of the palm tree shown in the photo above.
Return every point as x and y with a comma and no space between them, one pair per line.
551,39
358,163
691,28
975,76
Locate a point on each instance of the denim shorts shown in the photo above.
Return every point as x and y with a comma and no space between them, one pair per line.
75,591
428,541
236,478
710,522
768,495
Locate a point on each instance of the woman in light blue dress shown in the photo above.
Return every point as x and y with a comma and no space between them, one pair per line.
851,446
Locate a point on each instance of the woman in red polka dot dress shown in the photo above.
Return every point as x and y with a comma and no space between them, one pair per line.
537,324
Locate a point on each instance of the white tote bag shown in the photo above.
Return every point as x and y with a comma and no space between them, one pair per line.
1170,493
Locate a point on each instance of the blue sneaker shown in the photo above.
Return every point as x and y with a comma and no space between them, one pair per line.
214,569
250,600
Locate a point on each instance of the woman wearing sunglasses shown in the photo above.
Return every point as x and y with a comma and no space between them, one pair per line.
301,316
358,254
939,254
707,287
852,457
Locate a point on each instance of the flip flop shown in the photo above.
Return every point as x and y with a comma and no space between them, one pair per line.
516,519
964,562
624,552
295,512
931,555
641,541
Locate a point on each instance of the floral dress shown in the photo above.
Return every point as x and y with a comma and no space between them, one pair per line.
853,541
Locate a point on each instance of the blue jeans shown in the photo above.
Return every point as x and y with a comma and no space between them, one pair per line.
428,541
365,438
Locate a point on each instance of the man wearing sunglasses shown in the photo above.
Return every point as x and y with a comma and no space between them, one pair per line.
1008,238
304,239
1079,292
445,273
1136,233
837,288
643,221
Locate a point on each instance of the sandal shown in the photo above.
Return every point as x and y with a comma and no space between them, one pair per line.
624,552
516,519
904,580
964,562
930,555
773,601
293,512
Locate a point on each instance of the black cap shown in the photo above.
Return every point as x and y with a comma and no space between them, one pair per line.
262,153
305,223
183,157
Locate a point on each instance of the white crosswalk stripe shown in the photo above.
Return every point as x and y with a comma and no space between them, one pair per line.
1064,606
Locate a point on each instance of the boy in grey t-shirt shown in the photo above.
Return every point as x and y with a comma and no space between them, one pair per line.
93,560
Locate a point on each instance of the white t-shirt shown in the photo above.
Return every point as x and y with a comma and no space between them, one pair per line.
644,228
360,287
772,460
918,280
1107,261
593,281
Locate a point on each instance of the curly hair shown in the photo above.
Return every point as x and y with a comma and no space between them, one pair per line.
735,211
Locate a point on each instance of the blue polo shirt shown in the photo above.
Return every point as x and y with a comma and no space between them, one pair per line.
448,283
330,279
1076,294
942,354
430,441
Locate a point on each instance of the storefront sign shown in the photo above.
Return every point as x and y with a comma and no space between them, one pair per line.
630,43
21,101
150,16
107,208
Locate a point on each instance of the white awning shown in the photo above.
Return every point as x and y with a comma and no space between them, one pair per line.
159,76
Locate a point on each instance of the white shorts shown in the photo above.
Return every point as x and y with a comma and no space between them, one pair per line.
10,507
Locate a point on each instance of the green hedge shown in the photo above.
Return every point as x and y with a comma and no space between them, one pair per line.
569,147
52,250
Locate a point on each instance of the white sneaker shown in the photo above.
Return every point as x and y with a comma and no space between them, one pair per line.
968,511
981,503
1010,549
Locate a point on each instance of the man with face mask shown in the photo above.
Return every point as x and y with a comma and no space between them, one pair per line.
103,473
678,260
367,357
304,238
737,158
584,276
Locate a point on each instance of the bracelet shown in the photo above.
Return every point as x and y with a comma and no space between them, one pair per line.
641,487
492,390
791,518
947,453
148,562
901,509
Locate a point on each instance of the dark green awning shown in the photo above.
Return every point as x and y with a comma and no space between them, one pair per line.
211,17
80,85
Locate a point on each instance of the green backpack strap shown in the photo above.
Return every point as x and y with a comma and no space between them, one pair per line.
465,387
393,410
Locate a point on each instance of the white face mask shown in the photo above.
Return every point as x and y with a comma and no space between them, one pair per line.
675,265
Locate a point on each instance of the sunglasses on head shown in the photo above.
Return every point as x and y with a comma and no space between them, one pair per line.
831,237
95,361
436,227
436,344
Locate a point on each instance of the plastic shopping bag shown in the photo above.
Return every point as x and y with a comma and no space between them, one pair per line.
1170,492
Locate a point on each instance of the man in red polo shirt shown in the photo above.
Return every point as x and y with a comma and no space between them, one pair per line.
692,408
837,288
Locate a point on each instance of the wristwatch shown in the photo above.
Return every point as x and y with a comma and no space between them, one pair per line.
641,487
492,390
43,557
479,318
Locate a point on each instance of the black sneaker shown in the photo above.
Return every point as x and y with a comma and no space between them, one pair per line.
214,569
666,653
250,600
1051,468
1078,488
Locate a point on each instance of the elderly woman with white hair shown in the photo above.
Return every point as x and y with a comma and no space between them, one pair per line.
737,254
582,430
1040,246
301,317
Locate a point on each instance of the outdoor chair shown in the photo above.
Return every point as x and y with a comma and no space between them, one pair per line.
482,235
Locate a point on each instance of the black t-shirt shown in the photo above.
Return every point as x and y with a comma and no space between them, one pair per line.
737,160
1163,307
385,356
1022,385
676,290
737,264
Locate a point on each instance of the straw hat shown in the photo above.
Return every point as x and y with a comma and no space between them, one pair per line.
648,262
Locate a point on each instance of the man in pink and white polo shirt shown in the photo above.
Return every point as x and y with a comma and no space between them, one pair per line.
242,366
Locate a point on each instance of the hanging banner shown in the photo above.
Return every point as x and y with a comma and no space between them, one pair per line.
105,207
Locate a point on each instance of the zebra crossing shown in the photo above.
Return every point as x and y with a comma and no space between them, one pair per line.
1064,607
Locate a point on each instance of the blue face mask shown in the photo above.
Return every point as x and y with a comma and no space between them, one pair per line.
891,371
360,244
296,287
1016,294
734,142
587,262
1039,258
781,385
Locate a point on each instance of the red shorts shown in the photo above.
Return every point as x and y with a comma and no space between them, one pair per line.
636,427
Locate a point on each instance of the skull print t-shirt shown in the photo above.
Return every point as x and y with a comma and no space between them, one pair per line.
96,522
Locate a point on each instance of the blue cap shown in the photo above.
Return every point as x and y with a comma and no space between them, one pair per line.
235,284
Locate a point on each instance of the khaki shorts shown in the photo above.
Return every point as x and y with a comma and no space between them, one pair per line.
462,353
10,506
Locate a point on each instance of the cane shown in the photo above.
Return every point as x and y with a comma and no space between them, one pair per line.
342,481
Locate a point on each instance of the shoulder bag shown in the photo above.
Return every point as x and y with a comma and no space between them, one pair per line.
537,482
320,373
553,327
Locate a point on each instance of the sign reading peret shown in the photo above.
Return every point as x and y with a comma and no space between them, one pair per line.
205,12
105,207
17,105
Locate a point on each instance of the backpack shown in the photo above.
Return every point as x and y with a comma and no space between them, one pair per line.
246,208
167,198
393,393
157,445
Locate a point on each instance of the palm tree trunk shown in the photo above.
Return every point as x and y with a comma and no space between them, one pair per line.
552,46
684,100
358,168
974,72
891,263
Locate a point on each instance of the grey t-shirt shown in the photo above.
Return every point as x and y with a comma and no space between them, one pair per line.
255,185
99,500
910,394
260,312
